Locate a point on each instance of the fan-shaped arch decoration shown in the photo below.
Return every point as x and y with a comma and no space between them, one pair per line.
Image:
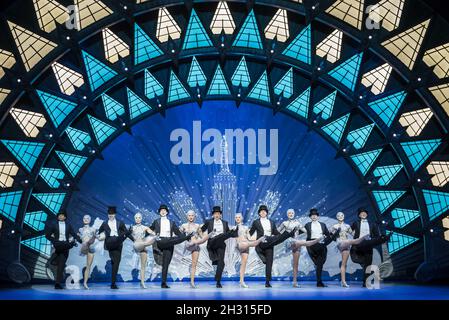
379,96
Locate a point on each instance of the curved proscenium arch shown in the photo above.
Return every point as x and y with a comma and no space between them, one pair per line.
373,85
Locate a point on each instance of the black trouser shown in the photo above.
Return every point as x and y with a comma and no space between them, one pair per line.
265,250
114,246
318,254
216,247
167,246
59,258
363,254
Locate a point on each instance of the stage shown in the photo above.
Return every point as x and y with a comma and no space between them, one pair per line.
231,291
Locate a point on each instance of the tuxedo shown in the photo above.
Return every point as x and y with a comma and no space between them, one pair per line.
363,252
265,250
164,247
216,246
318,252
114,243
58,234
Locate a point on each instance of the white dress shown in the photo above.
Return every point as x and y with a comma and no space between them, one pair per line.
345,233
288,226
188,228
87,235
243,235
139,231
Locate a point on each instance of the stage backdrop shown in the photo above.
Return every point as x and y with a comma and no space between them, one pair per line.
138,174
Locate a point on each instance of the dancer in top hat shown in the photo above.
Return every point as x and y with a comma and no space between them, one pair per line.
59,233
317,252
193,246
363,253
143,238
216,245
266,227
88,235
115,232
164,246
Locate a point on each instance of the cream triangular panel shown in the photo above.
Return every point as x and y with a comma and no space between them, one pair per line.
349,11
331,47
91,11
67,79
114,47
7,61
388,13
438,58
441,93
32,47
49,12
406,45
377,79
8,170
416,121
28,121
278,27
3,94
222,20
167,26
440,172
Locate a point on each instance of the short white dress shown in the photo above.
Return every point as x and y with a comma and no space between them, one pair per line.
243,235
87,235
345,233
288,226
188,228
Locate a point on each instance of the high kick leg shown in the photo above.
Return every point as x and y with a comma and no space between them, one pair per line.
245,245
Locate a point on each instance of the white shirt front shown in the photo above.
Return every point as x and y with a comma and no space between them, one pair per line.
165,228
266,225
218,227
62,231
364,228
317,231
113,226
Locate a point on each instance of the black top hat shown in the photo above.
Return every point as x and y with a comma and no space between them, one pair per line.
314,212
112,210
216,209
162,206
64,213
360,210
262,207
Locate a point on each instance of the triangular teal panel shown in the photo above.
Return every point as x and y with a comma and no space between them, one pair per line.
400,241
437,203
300,48
365,161
52,201
387,173
359,137
153,88
39,244
102,130
241,75
176,90
72,162
137,106
196,36
300,105
419,151
261,91
144,48
348,72
97,72
249,35
35,220
26,152
325,106
9,203
403,217
387,108
51,176
196,76
78,138
336,128
112,108
285,85
57,108
218,86
385,199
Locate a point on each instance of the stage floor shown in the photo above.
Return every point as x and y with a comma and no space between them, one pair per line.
231,291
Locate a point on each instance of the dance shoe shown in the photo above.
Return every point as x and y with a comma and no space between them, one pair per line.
218,285
114,286
164,286
267,284
243,285
321,285
58,286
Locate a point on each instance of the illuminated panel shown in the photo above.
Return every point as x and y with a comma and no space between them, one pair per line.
102,130
144,48
440,172
387,173
137,106
91,11
167,28
35,220
241,75
196,76
446,226
176,91
218,84
325,107
387,13
8,170
97,72
336,128
347,73
78,138
3,94
359,137
49,12
222,20
261,91
416,121
153,88
377,79
248,35
300,105
441,93
28,121
52,176
349,11
67,79
300,48
39,244
330,48
437,203
277,28
439,59
9,204
400,241
112,108
403,217
72,162
57,108
285,85
26,152
196,36
7,61
418,152
114,47
385,199
365,161
387,108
